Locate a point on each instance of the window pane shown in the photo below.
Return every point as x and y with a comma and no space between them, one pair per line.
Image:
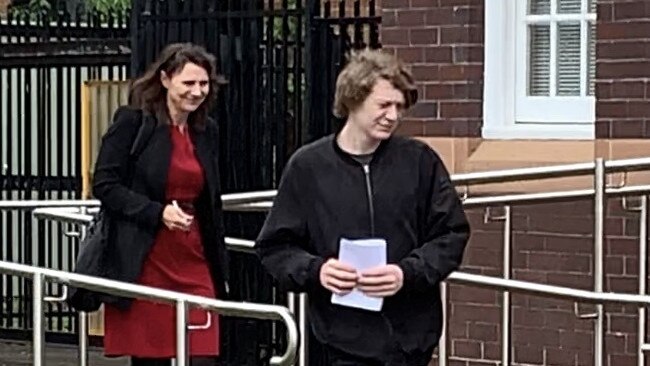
592,6
568,59
591,83
539,39
539,7
569,6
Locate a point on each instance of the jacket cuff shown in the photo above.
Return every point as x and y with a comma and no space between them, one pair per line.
153,214
408,272
314,272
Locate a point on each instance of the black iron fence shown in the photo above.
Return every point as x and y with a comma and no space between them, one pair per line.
336,28
280,58
45,55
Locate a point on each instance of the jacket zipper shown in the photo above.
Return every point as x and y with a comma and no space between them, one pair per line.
371,206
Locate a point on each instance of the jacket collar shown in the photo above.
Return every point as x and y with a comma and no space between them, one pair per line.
203,148
377,154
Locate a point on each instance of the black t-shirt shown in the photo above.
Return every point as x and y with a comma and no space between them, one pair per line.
362,158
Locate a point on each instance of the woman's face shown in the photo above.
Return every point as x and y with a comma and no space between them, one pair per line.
186,89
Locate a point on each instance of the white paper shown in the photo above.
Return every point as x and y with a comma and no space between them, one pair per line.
361,254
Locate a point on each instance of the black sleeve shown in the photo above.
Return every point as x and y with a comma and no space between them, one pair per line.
282,242
214,144
111,170
218,204
446,229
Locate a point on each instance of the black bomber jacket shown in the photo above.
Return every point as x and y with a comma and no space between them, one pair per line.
403,195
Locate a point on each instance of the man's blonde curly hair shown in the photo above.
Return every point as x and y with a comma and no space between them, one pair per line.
358,77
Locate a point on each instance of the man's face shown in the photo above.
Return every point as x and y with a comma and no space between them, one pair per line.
379,115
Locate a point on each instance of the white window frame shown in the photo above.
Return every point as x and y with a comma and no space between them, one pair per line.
508,112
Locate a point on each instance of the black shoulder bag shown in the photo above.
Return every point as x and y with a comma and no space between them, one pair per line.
92,259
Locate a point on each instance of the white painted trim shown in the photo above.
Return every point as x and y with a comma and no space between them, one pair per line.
555,109
499,63
541,131
546,19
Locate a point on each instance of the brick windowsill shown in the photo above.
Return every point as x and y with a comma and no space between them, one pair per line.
490,155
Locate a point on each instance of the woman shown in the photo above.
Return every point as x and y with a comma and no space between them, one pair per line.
165,207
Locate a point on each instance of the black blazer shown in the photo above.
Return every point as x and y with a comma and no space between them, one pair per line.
135,211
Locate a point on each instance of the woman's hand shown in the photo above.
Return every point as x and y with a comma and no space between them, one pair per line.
175,219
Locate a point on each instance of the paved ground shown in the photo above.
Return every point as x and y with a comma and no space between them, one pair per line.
16,353
20,354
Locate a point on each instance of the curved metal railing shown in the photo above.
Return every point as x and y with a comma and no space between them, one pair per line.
182,302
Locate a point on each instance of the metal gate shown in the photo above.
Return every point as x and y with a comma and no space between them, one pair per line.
45,56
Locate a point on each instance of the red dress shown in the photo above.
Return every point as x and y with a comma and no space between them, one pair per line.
176,262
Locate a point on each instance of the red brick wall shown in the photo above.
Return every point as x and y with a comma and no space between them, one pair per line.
444,47
623,69
552,244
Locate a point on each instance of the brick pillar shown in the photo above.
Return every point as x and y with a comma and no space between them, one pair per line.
442,41
623,69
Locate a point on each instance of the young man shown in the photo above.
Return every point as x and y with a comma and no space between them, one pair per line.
366,183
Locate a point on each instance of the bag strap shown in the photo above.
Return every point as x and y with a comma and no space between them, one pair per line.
142,137
145,131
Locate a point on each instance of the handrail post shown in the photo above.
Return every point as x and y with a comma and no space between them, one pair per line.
291,302
443,345
37,326
182,340
599,233
83,316
506,316
303,350
506,309
643,277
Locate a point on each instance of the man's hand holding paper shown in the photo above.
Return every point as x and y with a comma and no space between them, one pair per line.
363,255
338,277
382,281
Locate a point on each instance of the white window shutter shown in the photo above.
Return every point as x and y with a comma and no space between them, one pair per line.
540,60
568,58
591,82
569,6
539,7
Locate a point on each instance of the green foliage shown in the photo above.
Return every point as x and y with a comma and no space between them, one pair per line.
109,7
292,23
43,8
33,10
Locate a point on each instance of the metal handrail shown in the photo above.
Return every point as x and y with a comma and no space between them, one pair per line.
262,201
182,301
32,204
234,244
505,199
550,171
559,292
558,196
227,199
457,277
